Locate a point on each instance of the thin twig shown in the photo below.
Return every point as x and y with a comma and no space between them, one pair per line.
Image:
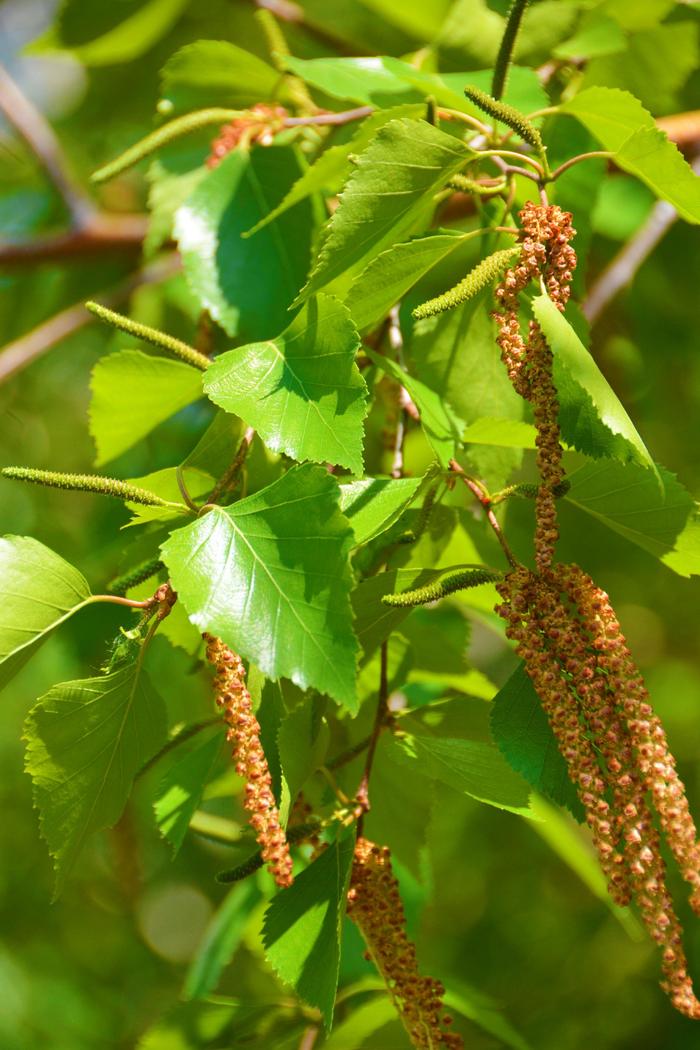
347,756
229,478
346,117
18,355
309,1037
577,160
396,344
98,234
484,499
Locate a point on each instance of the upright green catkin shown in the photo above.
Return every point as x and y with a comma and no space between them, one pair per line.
505,51
432,592
86,483
487,271
508,115
172,346
175,129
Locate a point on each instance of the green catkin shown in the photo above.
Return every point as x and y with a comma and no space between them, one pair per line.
528,490
487,271
172,346
86,483
505,51
175,129
121,584
279,50
466,185
294,834
432,592
513,118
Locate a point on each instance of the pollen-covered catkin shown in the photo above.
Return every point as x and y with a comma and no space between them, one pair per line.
570,640
233,698
375,906
545,254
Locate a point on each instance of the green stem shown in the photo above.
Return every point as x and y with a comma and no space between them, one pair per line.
505,51
89,483
151,335
175,129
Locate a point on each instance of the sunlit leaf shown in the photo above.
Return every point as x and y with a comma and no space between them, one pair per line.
86,740
269,575
302,391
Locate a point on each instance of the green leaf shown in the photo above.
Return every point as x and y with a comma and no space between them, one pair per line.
220,941
181,790
363,80
442,426
522,732
164,484
38,591
402,804
302,739
503,433
473,767
132,393
592,419
331,169
372,505
133,37
302,927
573,847
302,391
662,519
600,35
623,126
216,73
481,1009
375,621
392,187
246,284
269,575
363,1022
86,741
456,355
390,275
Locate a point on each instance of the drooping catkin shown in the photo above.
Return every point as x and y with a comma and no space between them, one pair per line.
233,698
570,640
545,254
375,906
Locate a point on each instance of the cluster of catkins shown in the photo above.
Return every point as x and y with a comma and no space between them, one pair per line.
545,255
569,638
233,698
375,905
260,125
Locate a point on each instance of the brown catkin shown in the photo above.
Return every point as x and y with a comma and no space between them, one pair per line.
545,255
375,906
260,125
233,698
614,746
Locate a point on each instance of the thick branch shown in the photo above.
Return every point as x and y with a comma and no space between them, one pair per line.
99,234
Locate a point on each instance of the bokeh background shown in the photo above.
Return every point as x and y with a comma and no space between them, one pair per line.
505,916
